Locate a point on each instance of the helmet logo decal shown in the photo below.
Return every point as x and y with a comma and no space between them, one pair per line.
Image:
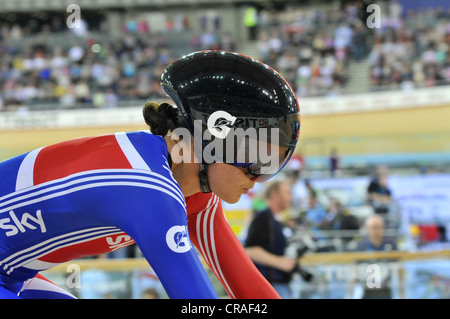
219,123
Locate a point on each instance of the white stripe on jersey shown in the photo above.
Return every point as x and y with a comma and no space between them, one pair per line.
25,173
165,186
51,245
48,241
91,172
25,262
136,161
40,265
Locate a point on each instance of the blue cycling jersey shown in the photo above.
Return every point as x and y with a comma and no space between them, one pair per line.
90,196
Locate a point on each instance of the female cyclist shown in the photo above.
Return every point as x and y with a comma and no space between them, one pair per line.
161,190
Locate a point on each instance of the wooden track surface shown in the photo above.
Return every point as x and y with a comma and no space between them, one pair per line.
424,129
394,131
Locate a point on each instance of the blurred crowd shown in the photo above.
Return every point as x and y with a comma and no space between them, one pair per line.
281,222
411,49
312,47
89,71
326,222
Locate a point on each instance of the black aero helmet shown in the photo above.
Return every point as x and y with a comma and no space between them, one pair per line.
219,92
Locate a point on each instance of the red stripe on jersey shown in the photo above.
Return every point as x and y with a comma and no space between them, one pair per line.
88,248
78,155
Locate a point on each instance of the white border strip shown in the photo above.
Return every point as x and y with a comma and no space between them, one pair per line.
130,152
26,170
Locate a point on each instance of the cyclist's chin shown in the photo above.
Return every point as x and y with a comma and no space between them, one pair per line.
228,195
231,198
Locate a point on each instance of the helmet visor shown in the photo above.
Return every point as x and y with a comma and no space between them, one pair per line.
266,167
263,151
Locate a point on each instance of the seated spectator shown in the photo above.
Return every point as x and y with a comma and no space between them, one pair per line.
375,239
